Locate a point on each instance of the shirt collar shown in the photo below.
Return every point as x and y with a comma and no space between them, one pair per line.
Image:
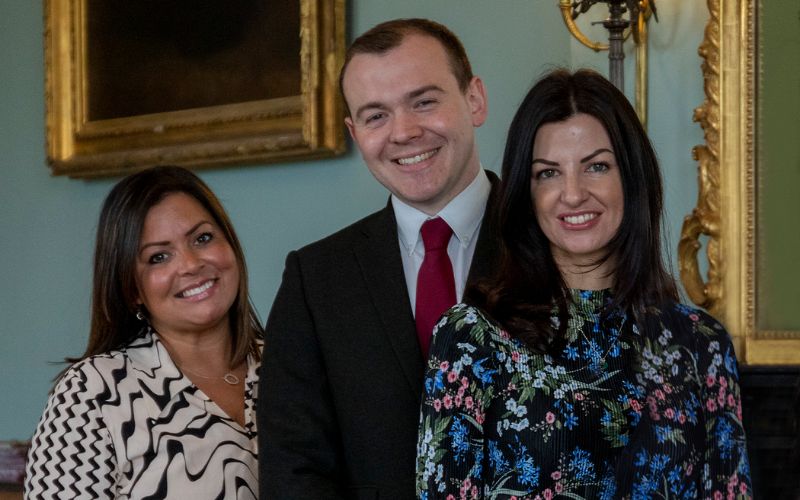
463,214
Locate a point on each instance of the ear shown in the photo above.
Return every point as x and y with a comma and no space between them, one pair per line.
348,121
478,102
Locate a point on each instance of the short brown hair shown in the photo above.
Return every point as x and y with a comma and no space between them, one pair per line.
390,34
114,322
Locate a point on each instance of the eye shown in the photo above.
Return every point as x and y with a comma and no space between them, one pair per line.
371,119
157,258
598,167
546,173
204,238
425,103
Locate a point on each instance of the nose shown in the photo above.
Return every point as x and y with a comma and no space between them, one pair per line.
190,261
574,190
405,127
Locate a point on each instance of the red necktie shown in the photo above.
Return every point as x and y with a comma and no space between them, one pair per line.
436,287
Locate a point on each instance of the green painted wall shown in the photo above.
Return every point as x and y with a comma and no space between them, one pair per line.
47,223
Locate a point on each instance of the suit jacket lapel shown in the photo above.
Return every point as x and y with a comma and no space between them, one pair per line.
486,256
378,255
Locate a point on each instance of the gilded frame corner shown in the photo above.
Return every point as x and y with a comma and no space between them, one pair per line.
727,167
305,126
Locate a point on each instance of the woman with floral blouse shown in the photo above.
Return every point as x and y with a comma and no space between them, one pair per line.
576,373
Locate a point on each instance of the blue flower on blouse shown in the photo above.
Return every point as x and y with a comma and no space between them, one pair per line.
571,352
662,433
458,433
723,433
641,458
496,460
570,421
482,373
523,463
435,383
581,465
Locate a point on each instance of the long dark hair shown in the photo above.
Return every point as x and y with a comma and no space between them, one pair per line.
529,284
114,291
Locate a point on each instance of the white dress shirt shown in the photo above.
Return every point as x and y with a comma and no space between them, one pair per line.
463,214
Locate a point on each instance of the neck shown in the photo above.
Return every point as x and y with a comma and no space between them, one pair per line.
588,277
210,350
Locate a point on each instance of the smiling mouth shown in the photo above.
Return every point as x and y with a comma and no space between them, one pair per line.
413,160
196,290
579,219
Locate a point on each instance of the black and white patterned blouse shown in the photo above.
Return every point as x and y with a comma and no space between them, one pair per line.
128,424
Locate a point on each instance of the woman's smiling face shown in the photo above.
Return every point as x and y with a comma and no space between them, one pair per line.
576,189
186,271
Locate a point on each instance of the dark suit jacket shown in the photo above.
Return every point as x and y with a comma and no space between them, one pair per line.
341,377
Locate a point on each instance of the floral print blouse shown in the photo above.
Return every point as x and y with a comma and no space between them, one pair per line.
619,413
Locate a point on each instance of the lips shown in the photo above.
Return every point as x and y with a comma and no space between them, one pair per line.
196,290
579,219
413,160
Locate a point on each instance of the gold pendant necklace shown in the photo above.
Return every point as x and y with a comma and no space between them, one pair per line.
229,378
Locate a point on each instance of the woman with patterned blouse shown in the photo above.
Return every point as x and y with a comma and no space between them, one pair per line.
162,403
576,373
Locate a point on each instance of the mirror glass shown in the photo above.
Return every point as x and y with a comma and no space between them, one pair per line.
778,166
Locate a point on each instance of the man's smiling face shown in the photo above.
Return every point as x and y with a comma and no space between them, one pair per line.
413,124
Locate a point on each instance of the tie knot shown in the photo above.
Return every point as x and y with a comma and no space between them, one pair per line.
435,234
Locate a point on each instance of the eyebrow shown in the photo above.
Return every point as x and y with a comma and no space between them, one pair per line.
582,160
592,155
165,243
411,95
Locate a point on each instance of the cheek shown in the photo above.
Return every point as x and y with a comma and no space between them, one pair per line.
151,284
541,199
369,143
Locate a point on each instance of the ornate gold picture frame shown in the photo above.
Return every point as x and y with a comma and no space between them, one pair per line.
284,109
726,213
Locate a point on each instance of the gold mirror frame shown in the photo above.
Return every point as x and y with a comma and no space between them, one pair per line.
726,207
309,125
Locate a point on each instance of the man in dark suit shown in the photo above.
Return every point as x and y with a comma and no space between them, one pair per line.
343,365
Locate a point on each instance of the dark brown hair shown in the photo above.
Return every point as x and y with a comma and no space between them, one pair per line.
114,292
390,34
529,283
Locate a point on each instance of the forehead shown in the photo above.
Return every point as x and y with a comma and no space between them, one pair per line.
575,134
418,61
173,208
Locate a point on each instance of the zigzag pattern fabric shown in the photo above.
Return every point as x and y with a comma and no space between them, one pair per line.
128,424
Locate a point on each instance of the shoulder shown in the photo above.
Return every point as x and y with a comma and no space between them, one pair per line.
470,326
109,368
375,224
91,377
697,328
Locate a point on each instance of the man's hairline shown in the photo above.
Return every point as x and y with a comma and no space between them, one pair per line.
409,32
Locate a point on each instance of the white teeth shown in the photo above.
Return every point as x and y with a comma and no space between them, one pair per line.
198,290
416,159
579,219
